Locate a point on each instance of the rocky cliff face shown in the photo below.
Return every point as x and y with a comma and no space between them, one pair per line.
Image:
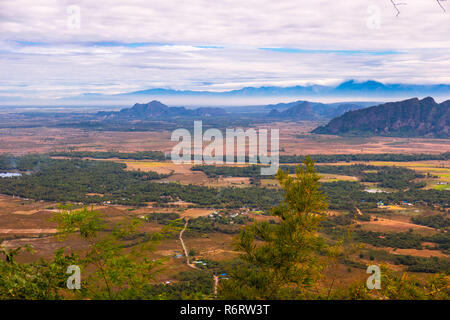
408,118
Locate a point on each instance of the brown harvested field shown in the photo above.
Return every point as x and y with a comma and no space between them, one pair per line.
228,182
183,174
180,173
10,204
425,253
161,167
339,145
40,140
390,225
44,247
340,275
196,212
416,165
27,231
294,139
214,246
25,212
14,221
182,211
326,177
270,183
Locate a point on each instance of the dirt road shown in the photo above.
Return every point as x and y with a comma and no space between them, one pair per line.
191,265
186,253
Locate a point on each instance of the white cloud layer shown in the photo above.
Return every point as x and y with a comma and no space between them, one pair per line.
216,45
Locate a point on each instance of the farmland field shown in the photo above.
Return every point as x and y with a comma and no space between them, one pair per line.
225,202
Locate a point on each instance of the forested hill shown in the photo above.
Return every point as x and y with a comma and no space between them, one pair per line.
408,118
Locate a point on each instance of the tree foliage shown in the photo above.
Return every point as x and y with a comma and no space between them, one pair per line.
114,268
282,260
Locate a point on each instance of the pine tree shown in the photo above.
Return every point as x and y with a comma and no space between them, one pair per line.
282,260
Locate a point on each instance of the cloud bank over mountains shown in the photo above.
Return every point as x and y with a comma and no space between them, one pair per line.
215,46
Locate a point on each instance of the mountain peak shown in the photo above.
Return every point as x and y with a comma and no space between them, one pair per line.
156,109
153,103
428,100
355,85
301,111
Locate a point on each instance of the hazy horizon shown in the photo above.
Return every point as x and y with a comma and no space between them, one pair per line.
54,51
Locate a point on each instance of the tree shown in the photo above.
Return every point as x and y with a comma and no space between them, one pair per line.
283,260
40,280
116,263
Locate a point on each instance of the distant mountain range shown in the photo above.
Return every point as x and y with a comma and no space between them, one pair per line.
349,90
306,110
156,109
299,110
351,87
408,118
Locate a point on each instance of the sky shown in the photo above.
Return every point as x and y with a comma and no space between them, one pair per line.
53,49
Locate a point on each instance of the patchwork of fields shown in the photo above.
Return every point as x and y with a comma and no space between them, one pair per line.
392,226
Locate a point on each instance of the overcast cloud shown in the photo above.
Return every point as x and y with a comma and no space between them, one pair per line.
123,46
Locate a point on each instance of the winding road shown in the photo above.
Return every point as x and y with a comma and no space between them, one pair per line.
191,265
